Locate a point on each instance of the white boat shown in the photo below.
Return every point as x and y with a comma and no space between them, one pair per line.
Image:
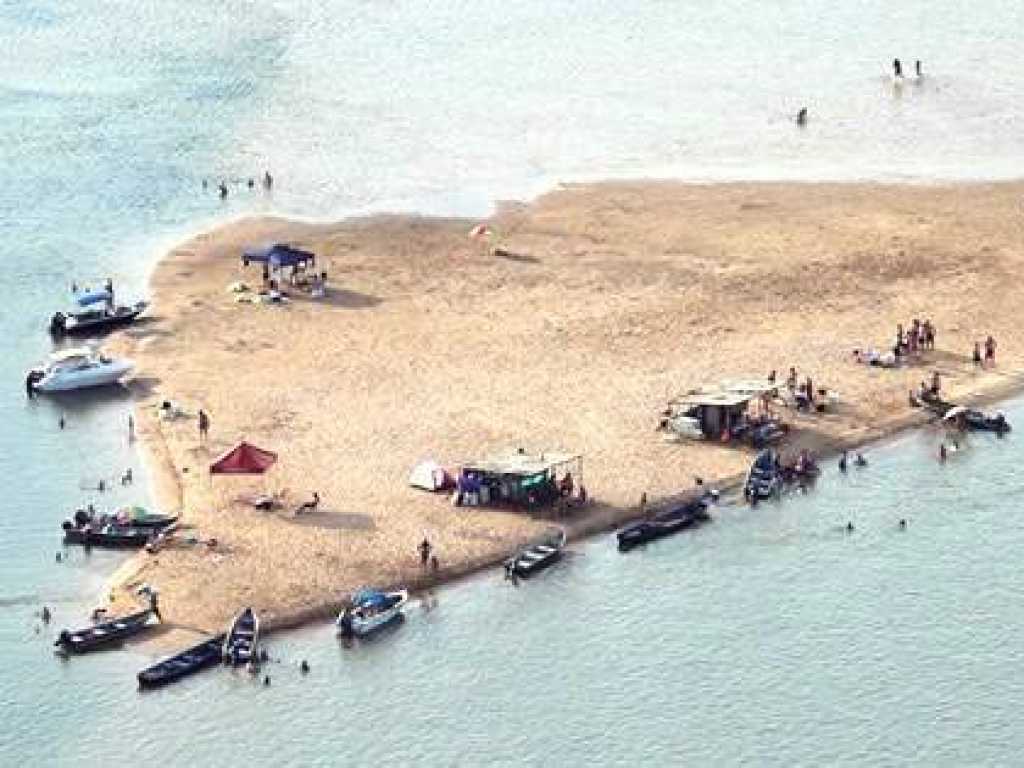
370,611
76,368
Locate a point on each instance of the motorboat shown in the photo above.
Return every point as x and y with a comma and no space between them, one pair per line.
965,419
188,662
89,319
537,556
108,535
105,634
764,479
678,518
371,610
242,639
77,368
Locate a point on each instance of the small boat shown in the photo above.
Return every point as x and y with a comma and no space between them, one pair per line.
94,321
105,634
242,639
679,518
763,479
108,535
77,368
188,662
972,419
536,557
370,611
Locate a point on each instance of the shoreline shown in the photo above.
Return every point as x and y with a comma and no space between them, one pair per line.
163,452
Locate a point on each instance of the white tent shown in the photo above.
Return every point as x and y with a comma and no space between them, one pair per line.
428,475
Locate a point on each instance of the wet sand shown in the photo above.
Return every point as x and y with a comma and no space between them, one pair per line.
601,303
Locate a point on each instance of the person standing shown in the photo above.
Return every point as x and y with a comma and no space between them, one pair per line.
131,428
990,352
977,354
204,426
424,552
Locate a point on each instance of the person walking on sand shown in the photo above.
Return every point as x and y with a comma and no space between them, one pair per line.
204,426
977,354
990,352
424,552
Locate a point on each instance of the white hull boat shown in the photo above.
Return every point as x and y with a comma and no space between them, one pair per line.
78,368
370,611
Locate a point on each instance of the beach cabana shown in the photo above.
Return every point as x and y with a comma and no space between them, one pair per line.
278,255
243,459
520,479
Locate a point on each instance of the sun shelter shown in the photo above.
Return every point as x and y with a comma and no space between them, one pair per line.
430,476
243,459
723,413
520,479
716,412
278,255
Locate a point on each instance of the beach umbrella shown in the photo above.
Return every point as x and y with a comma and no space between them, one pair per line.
244,459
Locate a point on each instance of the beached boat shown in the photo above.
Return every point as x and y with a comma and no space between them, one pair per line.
242,639
371,610
536,557
94,321
108,535
679,518
78,368
105,634
764,479
188,662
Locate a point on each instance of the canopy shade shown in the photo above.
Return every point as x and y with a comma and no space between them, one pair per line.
277,255
94,297
243,459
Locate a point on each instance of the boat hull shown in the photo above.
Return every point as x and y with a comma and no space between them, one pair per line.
195,659
535,558
350,624
122,538
637,534
105,634
241,641
63,381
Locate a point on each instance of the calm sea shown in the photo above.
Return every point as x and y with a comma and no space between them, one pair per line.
770,637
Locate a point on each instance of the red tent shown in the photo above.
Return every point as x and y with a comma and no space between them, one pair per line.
243,459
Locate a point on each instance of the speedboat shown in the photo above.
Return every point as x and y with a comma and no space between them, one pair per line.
763,479
371,610
90,320
76,368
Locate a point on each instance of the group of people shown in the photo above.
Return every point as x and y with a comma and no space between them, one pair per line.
803,392
222,186
989,360
917,338
897,71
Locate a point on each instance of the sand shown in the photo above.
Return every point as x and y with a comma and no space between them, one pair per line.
610,299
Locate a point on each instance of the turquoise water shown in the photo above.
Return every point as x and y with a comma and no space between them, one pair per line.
766,638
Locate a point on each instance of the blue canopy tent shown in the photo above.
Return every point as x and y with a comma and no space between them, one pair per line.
278,255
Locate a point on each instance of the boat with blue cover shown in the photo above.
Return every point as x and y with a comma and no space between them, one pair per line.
188,662
678,518
90,319
371,610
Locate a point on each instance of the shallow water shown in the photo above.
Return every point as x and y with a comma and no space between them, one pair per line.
769,637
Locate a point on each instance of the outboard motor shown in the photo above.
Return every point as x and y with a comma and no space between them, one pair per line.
34,377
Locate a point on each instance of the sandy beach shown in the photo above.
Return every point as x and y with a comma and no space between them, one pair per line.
603,302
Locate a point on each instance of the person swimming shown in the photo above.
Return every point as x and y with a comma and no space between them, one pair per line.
942,452
860,461
903,523
849,527
801,116
842,462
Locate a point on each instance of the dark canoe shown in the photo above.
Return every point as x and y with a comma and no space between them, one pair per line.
664,524
536,557
106,634
94,321
242,639
188,662
108,536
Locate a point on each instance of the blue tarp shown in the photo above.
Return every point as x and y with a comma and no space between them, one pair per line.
94,297
277,255
369,597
